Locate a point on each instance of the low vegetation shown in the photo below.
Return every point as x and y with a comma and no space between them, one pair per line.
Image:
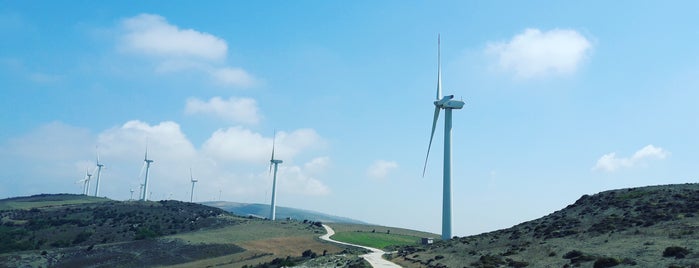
652,226
375,240
78,231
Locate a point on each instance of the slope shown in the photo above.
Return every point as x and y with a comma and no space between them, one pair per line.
652,226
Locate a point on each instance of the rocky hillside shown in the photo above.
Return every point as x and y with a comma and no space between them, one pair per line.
656,226
69,230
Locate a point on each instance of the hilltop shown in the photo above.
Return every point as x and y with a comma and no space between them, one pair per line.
262,211
655,226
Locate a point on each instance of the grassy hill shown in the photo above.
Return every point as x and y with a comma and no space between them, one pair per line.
656,226
67,230
381,237
262,210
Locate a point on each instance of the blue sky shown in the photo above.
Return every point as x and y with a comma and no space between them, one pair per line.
562,99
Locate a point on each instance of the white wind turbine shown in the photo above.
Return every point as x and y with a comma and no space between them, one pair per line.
448,104
99,171
193,180
86,181
147,162
275,162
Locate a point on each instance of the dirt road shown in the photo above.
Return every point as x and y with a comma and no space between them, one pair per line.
374,258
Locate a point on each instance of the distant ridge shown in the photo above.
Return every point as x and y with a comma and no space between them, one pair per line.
259,210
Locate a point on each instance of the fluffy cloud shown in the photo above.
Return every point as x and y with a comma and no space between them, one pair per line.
177,50
53,157
153,35
240,144
610,162
237,110
534,53
380,168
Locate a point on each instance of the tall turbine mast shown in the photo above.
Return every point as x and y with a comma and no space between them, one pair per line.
275,163
87,182
99,171
191,178
448,104
145,183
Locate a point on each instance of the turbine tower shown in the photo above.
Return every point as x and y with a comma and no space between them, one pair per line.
448,104
99,171
131,198
191,178
85,181
145,183
275,162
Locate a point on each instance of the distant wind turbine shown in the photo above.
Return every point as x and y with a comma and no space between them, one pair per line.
131,198
99,171
86,181
147,162
448,105
275,163
193,180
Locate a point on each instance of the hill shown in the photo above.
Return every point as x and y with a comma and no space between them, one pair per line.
65,230
655,226
262,211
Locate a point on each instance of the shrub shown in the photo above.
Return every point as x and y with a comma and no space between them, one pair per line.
605,262
674,251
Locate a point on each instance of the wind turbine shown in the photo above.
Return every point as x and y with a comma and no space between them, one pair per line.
275,162
448,104
99,171
85,181
191,196
131,198
145,183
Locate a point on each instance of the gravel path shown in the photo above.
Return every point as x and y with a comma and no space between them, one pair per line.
374,258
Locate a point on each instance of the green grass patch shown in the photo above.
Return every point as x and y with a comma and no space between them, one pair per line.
375,240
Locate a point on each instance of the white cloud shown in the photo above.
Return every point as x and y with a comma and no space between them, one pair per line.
295,180
238,110
177,50
380,168
610,162
240,144
232,77
153,35
53,157
534,53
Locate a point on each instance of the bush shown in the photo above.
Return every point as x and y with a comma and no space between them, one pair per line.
605,262
309,254
674,251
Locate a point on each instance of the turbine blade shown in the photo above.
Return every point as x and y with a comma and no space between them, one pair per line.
98,155
434,125
439,69
274,140
190,174
143,167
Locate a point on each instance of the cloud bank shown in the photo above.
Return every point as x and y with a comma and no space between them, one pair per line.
234,161
534,53
610,162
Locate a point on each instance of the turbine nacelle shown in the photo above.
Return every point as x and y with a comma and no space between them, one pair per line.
276,161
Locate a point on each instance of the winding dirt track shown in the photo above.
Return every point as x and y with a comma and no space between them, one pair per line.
374,258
